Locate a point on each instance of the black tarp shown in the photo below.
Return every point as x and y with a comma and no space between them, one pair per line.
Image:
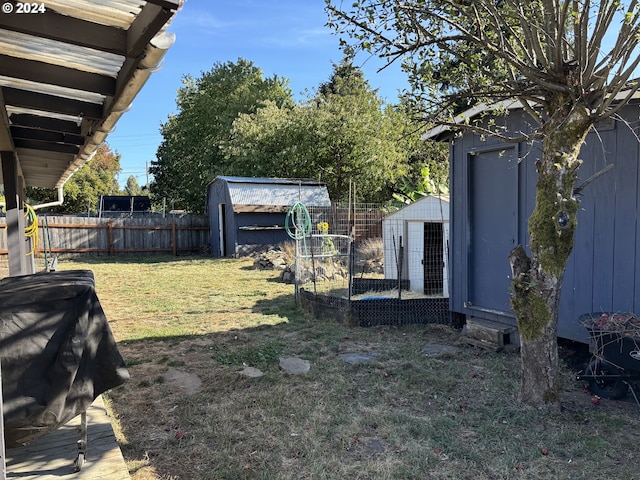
57,352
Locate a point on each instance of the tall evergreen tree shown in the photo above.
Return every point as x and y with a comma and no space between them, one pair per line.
132,187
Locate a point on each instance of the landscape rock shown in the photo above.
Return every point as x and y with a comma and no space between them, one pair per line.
374,444
294,366
271,260
252,372
288,276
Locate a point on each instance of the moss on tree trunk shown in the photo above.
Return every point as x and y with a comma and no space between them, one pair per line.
537,279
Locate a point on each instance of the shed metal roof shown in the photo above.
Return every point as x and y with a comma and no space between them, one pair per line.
271,181
275,192
278,195
67,74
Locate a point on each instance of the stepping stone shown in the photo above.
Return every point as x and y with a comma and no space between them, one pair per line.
436,350
355,358
252,372
294,366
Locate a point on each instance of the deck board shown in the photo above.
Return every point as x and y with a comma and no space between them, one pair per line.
52,456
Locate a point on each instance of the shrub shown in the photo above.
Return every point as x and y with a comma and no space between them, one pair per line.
371,249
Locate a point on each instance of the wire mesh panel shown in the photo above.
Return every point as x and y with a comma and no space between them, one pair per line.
326,258
363,220
433,261
322,263
340,268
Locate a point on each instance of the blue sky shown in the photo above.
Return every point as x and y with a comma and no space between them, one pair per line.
283,37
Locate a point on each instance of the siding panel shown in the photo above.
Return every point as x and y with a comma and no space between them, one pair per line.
602,273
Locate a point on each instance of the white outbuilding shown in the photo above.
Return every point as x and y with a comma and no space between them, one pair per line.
416,245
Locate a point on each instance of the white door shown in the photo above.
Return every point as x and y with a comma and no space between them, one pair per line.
415,256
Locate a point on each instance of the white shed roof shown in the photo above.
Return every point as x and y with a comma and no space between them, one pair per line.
430,208
284,195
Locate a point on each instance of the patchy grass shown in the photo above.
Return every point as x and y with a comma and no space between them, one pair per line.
403,415
157,297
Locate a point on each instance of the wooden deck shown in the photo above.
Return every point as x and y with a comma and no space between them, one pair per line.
52,456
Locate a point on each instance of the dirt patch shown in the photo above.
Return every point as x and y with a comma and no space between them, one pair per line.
185,382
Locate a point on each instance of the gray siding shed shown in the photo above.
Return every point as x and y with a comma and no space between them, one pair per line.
247,214
492,196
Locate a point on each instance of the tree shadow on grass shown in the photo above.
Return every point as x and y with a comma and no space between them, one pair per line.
284,306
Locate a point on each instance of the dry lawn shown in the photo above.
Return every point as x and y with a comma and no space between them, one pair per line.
187,328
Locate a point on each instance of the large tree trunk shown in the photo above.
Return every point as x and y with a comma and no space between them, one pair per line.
537,279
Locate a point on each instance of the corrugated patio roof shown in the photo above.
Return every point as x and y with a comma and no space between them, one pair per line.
67,74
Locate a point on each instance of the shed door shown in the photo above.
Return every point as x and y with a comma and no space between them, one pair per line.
222,229
426,257
415,255
493,225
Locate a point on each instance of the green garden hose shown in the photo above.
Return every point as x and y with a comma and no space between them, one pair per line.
298,222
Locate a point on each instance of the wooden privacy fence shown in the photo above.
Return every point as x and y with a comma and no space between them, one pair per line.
113,236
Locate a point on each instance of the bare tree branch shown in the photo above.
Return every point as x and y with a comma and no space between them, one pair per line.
543,48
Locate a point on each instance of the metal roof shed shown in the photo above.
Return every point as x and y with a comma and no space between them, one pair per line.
422,228
247,214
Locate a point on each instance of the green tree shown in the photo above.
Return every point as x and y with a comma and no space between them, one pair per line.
189,156
83,190
569,64
428,163
267,142
410,191
358,140
132,187
343,135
